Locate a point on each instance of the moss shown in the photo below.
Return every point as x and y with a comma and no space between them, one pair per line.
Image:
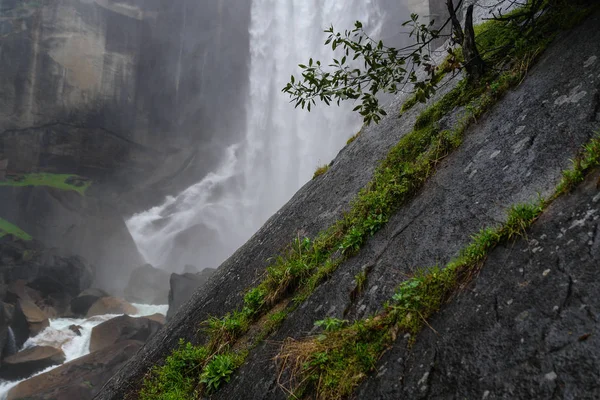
58,181
6,228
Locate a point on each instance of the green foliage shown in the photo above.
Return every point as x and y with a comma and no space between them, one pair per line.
321,170
178,377
589,159
361,281
218,372
385,70
6,228
58,181
224,331
331,324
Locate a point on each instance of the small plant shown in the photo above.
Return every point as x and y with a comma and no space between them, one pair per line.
178,376
218,372
352,241
331,324
321,170
254,300
226,330
353,137
361,281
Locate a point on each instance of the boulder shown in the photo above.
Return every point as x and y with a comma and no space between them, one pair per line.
110,305
161,319
76,329
73,224
81,304
148,285
121,329
42,269
27,362
37,320
79,379
183,287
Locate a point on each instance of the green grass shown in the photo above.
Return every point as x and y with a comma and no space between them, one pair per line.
306,262
176,379
58,181
6,228
321,171
332,365
353,137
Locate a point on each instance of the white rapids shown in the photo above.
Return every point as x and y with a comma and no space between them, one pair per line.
60,336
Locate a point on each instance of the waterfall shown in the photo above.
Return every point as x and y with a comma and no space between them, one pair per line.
10,347
279,151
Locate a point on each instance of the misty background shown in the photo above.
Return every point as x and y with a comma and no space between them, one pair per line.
174,110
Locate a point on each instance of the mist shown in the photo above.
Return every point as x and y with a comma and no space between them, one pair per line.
278,147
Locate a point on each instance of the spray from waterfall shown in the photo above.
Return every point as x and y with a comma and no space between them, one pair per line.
280,149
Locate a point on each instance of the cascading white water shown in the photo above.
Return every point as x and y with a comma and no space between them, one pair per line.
59,335
280,150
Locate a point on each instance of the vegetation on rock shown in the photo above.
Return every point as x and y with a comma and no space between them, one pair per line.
321,170
338,361
58,181
6,228
331,365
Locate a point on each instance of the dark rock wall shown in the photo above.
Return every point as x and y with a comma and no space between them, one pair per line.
157,80
139,96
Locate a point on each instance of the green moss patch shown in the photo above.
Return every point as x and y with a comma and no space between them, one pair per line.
58,181
6,228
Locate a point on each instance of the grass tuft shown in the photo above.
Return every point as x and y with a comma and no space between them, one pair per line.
354,137
321,171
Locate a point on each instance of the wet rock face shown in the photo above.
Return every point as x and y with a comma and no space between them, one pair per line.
526,329
183,287
116,90
75,224
82,303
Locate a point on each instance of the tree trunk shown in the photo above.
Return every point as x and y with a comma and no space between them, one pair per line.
459,36
473,62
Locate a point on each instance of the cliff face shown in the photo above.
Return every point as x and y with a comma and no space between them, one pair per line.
520,329
134,95
119,91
